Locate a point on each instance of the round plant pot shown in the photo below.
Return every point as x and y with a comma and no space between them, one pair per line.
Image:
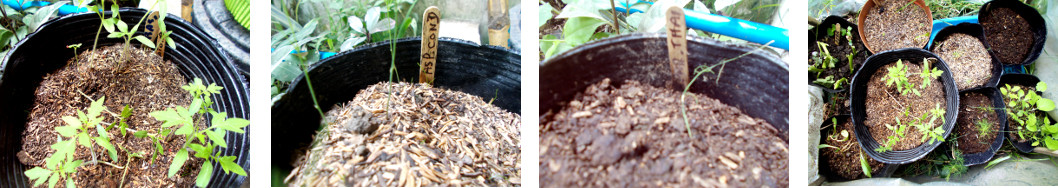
1034,19
1023,80
43,52
484,71
214,19
885,171
870,5
974,30
756,83
859,96
998,105
819,31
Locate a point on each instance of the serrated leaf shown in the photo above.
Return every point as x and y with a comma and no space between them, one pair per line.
72,121
39,174
105,143
200,150
217,136
185,130
228,164
66,131
54,179
178,162
83,139
204,174
72,166
169,117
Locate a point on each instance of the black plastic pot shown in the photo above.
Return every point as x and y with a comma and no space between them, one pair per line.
756,83
859,95
484,71
1033,17
1022,80
214,19
813,35
886,170
43,52
976,31
999,106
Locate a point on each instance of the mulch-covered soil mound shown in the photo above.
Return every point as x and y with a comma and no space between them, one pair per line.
634,135
401,134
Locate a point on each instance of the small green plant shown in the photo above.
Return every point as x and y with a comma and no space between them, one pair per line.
74,47
204,141
984,127
61,164
926,124
866,167
1023,107
898,75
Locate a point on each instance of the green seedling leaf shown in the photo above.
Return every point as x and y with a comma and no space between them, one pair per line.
1045,104
145,41
1041,86
578,30
1051,144
228,164
39,174
140,134
67,131
105,143
217,136
204,174
865,166
178,162
54,179
72,166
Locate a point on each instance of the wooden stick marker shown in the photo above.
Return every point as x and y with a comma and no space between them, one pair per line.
677,43
428,59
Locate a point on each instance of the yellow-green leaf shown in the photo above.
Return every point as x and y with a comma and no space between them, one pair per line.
204,174
178,162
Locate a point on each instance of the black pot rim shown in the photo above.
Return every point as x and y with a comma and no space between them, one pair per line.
1024,80
1034,19
997,102
976,31
222,73
858,92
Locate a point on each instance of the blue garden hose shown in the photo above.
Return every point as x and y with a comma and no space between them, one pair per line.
63,10
733,27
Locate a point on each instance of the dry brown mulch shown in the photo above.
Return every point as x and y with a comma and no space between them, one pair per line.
413,135
887,27
145,82
885,104
633,135
967,58
844,160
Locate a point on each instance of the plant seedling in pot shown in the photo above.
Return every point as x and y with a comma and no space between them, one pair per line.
1024,107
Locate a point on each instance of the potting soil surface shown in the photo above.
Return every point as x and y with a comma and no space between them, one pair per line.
894,24
845,159
1008,34
885,104
145,82
967,58
975,111
401,134
634,136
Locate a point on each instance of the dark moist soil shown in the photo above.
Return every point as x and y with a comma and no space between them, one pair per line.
1008,34
839,48
1013,125
975,108
145,82
967,58
634,136
418,136
838,103
888,27
884,104
845,162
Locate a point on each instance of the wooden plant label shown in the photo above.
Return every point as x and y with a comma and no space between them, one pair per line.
185,9
154,30
428,57
677,43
